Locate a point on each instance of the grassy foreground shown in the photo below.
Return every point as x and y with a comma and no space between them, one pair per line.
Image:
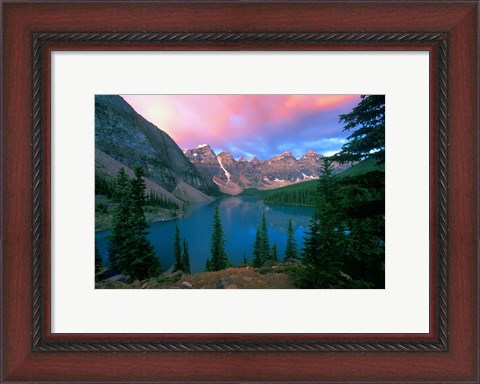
273,277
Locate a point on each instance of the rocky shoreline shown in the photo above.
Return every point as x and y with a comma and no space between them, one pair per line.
104,222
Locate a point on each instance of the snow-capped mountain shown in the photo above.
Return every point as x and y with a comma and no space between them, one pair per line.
233,176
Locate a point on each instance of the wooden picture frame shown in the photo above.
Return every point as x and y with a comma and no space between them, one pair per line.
449,352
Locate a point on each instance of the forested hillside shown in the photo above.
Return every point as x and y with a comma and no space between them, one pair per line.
304,193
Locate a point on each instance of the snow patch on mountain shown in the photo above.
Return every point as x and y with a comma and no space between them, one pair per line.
308,177
224,170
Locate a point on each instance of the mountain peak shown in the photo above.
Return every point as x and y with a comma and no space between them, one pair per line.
311,155
255,160
284,155
205,149
203,153
225,155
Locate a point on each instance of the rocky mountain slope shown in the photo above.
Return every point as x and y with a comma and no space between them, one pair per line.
233,176
123,135
108,166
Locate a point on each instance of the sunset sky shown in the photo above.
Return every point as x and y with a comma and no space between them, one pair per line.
250,125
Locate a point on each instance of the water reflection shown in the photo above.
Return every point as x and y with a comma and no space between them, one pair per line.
240,218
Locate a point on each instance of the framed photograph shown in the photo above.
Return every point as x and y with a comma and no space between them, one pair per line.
240,192
236,215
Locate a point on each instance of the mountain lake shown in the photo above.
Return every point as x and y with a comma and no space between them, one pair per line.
240,217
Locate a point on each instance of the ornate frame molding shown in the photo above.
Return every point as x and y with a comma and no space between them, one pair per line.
249,39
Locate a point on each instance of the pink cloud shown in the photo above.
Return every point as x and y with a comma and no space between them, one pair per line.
220,120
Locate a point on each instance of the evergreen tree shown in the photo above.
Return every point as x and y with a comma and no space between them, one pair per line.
245,261
208,265
368,139
291,247
273,252
160,201
312,255
144,263
324,241
177,252
98,260
117,248
261,247
219,258
257,260
364,206
103,185
363,196
264,241
185,258
130,251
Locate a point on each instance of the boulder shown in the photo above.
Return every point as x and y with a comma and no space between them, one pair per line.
152,283
118,278
186,285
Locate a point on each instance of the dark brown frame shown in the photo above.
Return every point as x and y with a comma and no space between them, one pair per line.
449,352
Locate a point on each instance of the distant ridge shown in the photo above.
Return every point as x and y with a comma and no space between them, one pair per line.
233,176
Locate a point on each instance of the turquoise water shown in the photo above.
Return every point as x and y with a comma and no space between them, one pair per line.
240,217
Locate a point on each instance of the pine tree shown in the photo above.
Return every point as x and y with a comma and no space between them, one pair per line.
185,258
363,196
363,204
177,252
245,261
257,260
219,258
264,242
312,254
208,265
324,243
291,247
121,221
368,139
261,247
103,185
273,252
98,260
144,263
129,249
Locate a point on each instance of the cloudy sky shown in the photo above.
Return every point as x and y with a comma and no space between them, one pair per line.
250,125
